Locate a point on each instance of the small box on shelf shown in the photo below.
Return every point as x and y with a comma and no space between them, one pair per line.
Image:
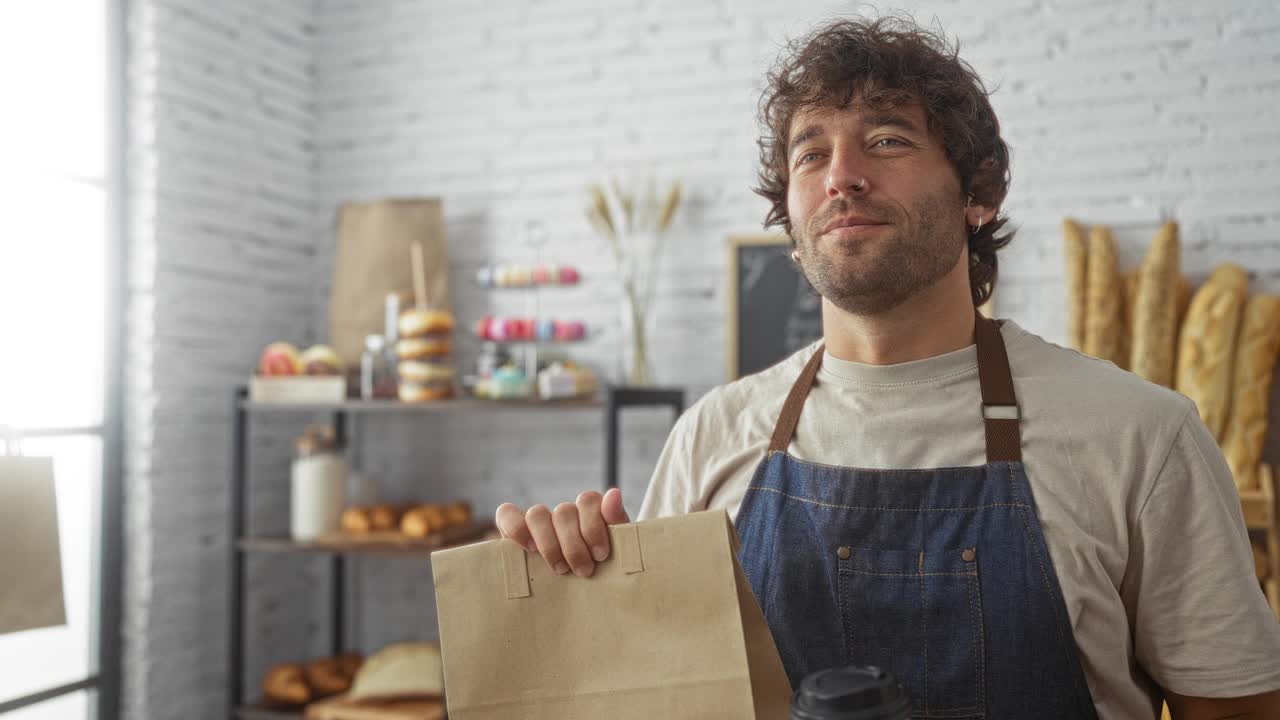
298,389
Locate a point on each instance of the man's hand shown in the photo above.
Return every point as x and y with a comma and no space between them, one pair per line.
574,536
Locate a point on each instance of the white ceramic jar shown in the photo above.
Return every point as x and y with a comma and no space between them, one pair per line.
318,488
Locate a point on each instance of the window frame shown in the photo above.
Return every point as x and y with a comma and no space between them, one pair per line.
106,613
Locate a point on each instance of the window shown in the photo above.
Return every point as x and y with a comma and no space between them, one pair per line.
61,275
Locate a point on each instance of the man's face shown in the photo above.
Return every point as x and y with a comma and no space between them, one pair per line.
908,224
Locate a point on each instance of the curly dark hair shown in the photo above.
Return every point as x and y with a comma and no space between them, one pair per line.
886,62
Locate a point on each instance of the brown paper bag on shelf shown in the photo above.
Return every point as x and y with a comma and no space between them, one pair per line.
30,558
372,260
666,628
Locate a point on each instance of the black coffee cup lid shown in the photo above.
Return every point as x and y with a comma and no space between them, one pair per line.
850,693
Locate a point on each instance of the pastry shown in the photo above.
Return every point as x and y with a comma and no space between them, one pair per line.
1206,351
1155,310
458,514
280,359
1104,313
414,524
385,517
1130,280
1256,351
415,393
349,663
420,323
320,360
424,373
286,685
423,348
325,678
404,670
1076,251
356,521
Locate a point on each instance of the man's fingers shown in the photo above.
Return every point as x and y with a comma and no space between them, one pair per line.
544,534
565,519
594,530
611,508
510,521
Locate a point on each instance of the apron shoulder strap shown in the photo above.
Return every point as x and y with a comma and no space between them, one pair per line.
791,409
1000,412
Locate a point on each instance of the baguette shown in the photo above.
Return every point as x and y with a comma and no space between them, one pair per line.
1130,302
1076,251
1183,298
1256,353
1207,349
1104,313
1155,316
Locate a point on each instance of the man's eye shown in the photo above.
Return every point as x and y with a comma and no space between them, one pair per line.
805,158
881,142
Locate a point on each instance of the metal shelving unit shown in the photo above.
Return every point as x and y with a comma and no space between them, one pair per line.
613,401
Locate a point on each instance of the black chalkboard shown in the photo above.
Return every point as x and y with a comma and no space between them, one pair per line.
773,309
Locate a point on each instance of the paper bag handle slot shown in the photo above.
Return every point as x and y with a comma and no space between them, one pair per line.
515,569
626,541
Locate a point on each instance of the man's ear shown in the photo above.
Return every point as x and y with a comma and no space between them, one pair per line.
975,214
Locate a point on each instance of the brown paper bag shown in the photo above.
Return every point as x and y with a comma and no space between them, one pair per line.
666,628
30,561
372,260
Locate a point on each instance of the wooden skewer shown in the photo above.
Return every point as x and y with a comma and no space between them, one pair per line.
419,277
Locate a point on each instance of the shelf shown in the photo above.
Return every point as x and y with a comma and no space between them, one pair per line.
259,712
464,404
397,546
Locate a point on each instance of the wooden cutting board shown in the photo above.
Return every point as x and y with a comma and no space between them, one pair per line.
340,708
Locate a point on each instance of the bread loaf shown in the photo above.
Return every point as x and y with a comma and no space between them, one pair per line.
1155,313
1183,298
326,678
1104,313
1256,351
356,521
1130,280
286,684
1076,252
404,670
1206,351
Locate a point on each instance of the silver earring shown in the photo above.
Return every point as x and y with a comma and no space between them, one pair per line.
795,256
978,227
859,187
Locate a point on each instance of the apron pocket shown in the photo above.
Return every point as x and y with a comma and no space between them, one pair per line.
920,615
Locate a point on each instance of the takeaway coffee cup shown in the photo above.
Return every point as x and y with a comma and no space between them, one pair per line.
850,693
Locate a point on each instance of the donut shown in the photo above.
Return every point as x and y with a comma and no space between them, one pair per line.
417,323
422,373
419,348
415,393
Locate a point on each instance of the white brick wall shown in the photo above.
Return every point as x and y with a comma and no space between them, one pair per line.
253,121
221,209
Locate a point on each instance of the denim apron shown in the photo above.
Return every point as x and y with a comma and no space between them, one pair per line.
942,576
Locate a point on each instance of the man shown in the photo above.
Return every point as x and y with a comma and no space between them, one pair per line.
1015,529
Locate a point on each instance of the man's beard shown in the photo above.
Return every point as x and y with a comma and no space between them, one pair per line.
873,276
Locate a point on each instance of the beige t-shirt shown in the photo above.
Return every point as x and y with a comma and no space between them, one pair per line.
1138,506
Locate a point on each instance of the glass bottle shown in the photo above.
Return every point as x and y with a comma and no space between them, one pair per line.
377,377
